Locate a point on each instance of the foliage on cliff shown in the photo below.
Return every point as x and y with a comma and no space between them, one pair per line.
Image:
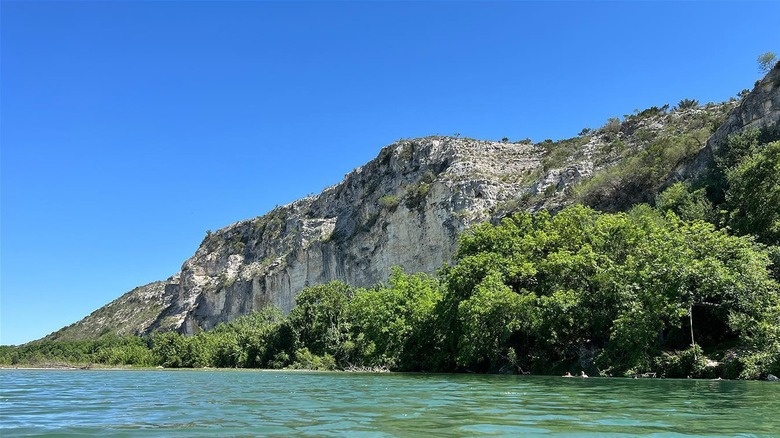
745,178
687,288
624,293
406,207
637,155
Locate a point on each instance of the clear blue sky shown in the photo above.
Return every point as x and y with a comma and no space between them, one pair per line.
129,129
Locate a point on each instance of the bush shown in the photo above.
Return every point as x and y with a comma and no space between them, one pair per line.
753,196
687,104
389,202
688,205
760,364
766,62
687,363
612,126
280,360
416,194
305,360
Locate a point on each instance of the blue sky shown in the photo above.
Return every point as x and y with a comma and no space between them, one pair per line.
128,129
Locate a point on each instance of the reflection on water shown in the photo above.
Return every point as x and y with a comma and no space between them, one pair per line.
251,403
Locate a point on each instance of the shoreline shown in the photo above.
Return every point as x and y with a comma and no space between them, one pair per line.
207,369
132,368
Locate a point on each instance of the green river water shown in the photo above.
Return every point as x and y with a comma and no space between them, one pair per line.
263,403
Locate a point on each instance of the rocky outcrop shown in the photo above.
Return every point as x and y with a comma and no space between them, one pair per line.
404,208
759,110
134,313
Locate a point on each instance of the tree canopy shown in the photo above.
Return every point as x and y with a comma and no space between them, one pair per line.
766,61
612,294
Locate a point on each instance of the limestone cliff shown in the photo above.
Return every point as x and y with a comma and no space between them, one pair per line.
760,110
406,207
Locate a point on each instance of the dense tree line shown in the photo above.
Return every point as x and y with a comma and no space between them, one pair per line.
741,191
625,293
688,288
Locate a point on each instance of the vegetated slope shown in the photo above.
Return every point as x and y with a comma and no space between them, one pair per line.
407,206
129,314
403,208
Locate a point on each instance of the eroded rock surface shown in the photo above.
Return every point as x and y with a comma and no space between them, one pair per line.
404,208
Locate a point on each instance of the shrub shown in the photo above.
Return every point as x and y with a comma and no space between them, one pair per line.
687,363
612,126
389,202
687,104
766,61
305,360
416,194
688,205
280,360
407,152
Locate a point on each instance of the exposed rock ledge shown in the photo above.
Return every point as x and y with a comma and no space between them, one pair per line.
404,208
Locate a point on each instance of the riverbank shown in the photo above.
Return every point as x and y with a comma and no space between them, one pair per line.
355,370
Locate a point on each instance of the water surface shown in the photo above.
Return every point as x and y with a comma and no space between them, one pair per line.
262,403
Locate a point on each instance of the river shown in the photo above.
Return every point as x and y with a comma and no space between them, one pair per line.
264,403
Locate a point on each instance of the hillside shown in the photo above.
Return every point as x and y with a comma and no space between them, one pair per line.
408,205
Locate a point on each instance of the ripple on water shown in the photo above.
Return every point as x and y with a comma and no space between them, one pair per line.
251,403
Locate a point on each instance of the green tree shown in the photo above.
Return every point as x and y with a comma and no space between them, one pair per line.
753,195
688,205
626,285
766,61
389,321
488,319
170,349
319,320
687,104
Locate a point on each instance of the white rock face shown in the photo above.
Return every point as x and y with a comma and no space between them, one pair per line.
759,110
405,208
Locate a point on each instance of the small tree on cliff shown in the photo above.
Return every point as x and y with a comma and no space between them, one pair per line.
766,61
